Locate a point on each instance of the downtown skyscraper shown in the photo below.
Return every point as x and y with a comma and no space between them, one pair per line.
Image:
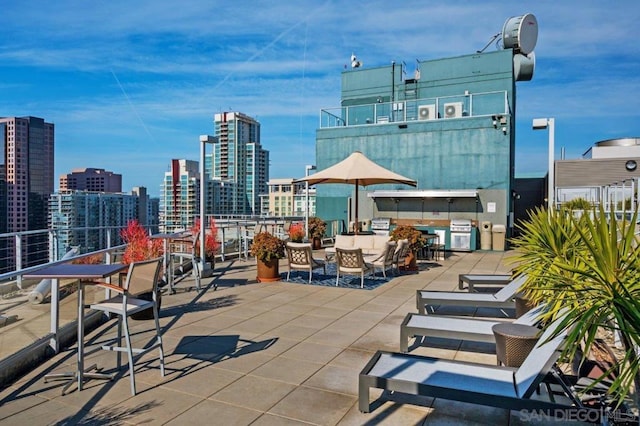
27,181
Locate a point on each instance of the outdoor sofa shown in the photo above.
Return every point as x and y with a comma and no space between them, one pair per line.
370,244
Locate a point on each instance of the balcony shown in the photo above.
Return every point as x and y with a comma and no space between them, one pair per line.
412,110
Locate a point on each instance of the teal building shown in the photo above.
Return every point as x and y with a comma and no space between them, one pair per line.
449,125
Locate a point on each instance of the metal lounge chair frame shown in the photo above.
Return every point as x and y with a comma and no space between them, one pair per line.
482,384
447,327
501,299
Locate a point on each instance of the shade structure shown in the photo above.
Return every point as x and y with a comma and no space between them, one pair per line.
357,170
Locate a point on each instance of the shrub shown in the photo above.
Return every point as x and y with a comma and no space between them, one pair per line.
408,232
317,227
296,232
266,247
140,246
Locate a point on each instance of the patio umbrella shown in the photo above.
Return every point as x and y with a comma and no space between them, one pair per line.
358,170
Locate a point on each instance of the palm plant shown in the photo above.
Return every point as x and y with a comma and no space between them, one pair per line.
591,266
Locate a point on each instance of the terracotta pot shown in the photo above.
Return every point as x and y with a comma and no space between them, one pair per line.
317,243
410,262
268,271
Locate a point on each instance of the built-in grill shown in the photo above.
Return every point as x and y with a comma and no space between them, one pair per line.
381,225
460,234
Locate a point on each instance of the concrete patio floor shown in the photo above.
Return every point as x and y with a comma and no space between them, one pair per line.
253,353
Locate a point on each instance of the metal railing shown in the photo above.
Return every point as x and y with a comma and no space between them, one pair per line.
436,108
16,292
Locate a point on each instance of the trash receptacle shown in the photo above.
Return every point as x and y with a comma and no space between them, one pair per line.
498,232
485,236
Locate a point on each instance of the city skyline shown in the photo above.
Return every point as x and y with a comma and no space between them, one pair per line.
129,92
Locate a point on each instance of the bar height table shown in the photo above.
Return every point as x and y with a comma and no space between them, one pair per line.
85,274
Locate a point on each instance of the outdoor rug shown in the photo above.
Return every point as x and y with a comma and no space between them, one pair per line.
329,279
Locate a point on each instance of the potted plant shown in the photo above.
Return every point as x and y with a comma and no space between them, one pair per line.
416,242
316,231
296,232
140,246
588,267
268,250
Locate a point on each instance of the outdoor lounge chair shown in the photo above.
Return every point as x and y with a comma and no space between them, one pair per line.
481,384
502,299
447,327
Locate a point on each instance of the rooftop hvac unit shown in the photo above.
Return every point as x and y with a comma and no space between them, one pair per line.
453,110
427,112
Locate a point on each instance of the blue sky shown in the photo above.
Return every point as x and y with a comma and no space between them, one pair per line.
131,85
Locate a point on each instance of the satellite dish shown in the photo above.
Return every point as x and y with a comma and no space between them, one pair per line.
523,66
520,33
355,63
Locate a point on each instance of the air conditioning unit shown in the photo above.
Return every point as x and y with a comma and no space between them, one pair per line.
453,110
427,112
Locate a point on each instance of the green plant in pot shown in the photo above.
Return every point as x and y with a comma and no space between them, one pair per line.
416,242
268,250
317,228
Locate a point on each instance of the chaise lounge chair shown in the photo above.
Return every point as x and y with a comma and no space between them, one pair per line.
494,386
447,327
502,299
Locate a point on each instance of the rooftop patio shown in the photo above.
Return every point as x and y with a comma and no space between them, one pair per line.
261,354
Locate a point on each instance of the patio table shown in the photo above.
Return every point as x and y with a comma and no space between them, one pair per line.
85,274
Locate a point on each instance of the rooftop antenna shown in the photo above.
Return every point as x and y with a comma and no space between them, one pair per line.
489,43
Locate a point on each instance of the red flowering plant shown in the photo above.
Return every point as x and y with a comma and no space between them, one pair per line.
211,245
140,246
296,232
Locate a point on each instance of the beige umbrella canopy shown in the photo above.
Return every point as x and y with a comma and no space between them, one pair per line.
358,170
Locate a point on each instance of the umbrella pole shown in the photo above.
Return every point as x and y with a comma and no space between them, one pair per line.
355,224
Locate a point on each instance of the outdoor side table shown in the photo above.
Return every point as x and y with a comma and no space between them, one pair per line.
514,342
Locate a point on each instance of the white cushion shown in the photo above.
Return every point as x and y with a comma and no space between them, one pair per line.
344,241
380,241
364,241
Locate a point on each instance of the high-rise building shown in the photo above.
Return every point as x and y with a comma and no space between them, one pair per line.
180,196
28,153
238,158
72,212
287,198
90,179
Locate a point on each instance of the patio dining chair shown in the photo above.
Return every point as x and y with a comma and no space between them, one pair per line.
300,257
186,255
351,262
384,260
402,250
142,277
